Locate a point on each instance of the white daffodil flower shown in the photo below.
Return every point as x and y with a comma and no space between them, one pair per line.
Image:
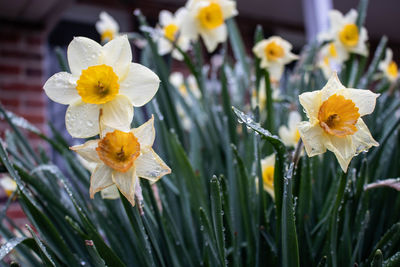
122,157
170,32
102,80
8,184
331,59
206,18
290,134
274,53
107,27
335,121
389,67
268,168
345,33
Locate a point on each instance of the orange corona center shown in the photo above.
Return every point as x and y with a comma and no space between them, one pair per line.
274,51
170,31
118,150
338,116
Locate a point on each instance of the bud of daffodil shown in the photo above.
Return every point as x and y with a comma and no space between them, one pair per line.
102,80
274,53
121,158
335,121
206,18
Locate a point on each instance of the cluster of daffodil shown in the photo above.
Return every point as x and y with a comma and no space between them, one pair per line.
101,91
334,112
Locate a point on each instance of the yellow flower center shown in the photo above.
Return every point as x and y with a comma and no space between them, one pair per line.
326,60
107,35
338,116
98,84
170,31
332,50
392,69
349,35
273,51
118,150
211,16
268,176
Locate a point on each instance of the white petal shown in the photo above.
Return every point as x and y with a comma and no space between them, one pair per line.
285,135
150,166
189,27
165,17
228,9
364,99
89,165
117,54
118,113
140,85
268,161
61,88
82,120
110,192
275,71
213,37
88,151
126,181
313,137
164,46
351,16
101,178
145,133
83,53
311,102
335,18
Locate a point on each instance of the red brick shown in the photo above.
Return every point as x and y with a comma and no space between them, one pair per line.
22,87
9,37
34,40
20,54
34,72
9,69
34,103
10,102
35,119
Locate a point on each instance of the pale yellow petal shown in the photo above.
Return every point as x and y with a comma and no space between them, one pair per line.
82,120
87,151
332,87
362,139
365,100
118,113
213,37
311,102
110,192
150,166
268,161
145,133
313,137
101,178
343,149
126,181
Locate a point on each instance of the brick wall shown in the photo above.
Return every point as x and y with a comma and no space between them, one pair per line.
22,53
